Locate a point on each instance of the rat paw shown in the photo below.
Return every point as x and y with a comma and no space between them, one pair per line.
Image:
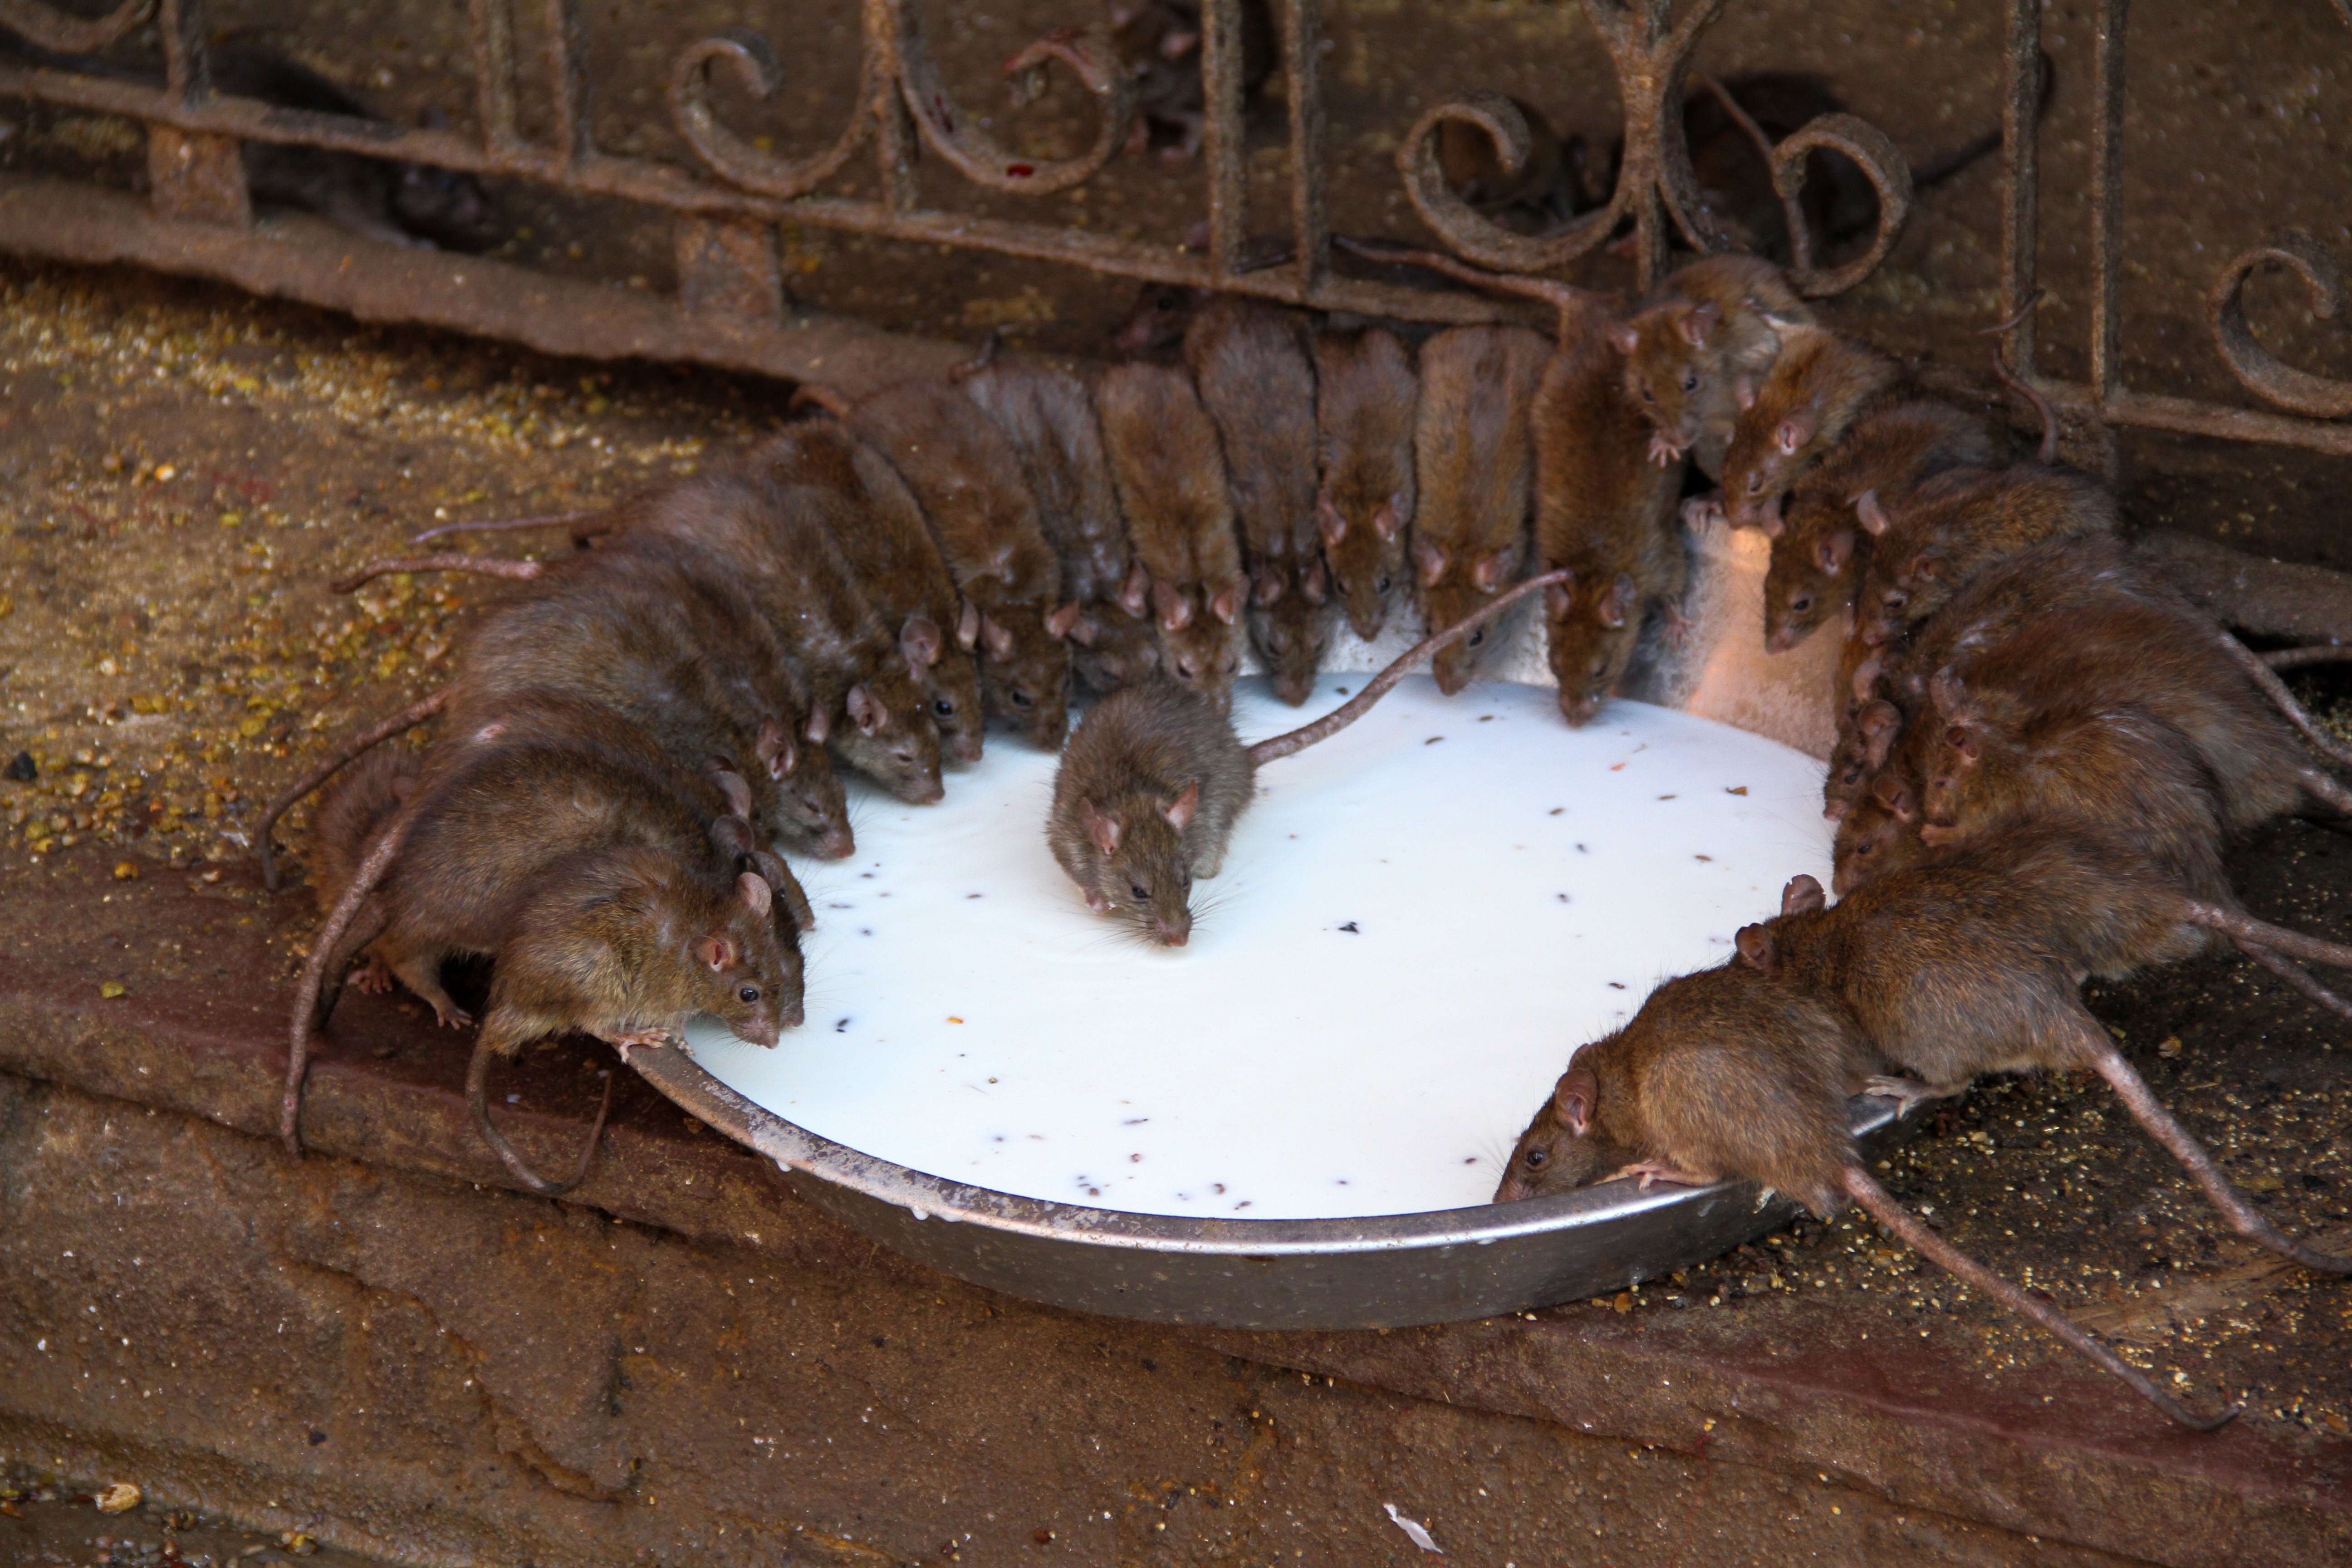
1665,450
1905,1092
1678,626
371,977
1647,1171
1703,511
453,1016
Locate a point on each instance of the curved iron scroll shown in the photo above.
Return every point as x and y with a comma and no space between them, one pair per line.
53,29
2264,375
754,64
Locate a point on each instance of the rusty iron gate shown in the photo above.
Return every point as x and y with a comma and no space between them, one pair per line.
731,308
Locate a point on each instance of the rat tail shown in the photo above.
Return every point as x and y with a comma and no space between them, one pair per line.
830,399
1565,298
1914,1233
2150,1112
2263,675
332,946
1380,685
334,762
487,565
570,519
2297,658
2242,927
2008,378
1792,209
478,1100
2286,969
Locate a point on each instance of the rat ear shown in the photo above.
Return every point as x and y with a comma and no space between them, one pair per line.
1178,812
717,949
1699,325
1924,568
1317,584
1058,622
1175,606
1575,1098
1135,593
1559,598
1755,950
819,726
1873,516
1226,604
919,640
1833,551
1894,795
968,627
1429,560
996,638
1100,825
865,709
1625,337
1268,583
1793,432
1329,520
1620,602
403,786
757,896
1490,570
1176,45
1389,521
1743,392
1086,631
1803,896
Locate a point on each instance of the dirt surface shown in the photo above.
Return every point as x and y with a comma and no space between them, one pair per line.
46,1521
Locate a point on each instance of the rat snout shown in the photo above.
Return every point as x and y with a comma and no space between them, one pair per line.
1172,933
836,844
963,748
1514,1187
1578,709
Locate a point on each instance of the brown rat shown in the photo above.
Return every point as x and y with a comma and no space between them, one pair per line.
1048,416
1366,392
1547,188
1170,471
1475,458
1727,1075
1820,384
1152,782
1160,42
1251,365
358,744
1929,542
1713,325
1606,512
1972,964
620,912
981,513
875,521
1821,551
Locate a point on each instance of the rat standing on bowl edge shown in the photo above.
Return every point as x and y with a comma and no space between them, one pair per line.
1152,783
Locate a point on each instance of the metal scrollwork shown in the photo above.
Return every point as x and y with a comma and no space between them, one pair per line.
1463,229
1888,174
978,156
747,55
73,35
2264,374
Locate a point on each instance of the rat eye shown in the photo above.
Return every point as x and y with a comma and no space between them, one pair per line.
1535,1158
748,993
1381,585
1801,602
1647,394
1142,894
1690,382
1021,698
1755,483
944,707
1478,637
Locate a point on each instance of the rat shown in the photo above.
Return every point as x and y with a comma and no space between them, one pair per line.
1973,965
1251,365
984,520
1160,42
1727,1075
1545,189
614,913
1820,384
1474,453
1366,391
876,523
1170,471
1048,416
1927,544
1149,790
1820,549
1713,326
1606,512
376,198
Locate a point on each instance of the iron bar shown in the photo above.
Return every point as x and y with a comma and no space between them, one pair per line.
2106,197
1302,56
1223,156
2021,145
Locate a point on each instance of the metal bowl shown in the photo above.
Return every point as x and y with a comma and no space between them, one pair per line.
1379,1272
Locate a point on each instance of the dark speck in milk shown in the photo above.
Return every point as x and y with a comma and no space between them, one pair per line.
1735,789
840,906
1562,897
1350,926
1616,986
972,895
840,1024
1557,810
1135,1121
1666,797
1482,719
1580,849
1433,740
1701,856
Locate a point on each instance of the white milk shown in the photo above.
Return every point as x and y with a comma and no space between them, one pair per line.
1419,921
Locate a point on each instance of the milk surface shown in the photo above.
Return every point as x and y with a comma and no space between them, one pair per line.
1419,921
